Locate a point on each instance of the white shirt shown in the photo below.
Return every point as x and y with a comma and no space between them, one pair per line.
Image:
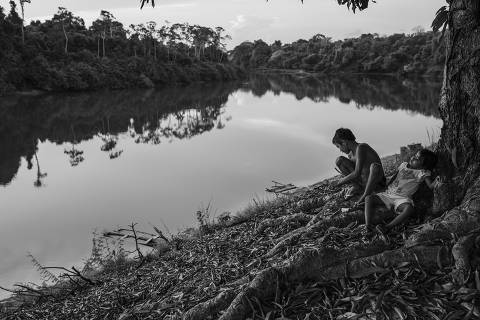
407,181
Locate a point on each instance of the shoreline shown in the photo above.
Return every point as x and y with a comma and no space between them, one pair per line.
373,74
263,71
158,75
210,226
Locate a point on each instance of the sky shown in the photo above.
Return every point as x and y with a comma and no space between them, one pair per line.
248,20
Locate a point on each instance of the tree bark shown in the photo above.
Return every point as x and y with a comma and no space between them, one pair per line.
460,97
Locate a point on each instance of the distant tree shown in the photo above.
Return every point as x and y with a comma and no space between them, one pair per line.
13,18
151,33
68,22
104,27
22,5
218,41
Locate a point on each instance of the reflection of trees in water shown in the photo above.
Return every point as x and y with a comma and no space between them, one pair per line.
387,92
75,156
109,142
173,113
153,116
182,124
38,182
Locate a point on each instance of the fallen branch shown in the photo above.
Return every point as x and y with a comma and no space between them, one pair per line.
74,272
140,254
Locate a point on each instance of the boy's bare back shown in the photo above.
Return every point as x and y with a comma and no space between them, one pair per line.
369,156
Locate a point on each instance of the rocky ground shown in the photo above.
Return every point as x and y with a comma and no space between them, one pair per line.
198,275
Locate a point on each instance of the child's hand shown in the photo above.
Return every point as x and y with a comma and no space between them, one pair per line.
438,182
360,203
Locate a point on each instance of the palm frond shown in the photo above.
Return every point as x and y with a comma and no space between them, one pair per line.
441,18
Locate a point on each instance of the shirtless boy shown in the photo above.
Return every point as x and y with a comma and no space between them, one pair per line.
363,168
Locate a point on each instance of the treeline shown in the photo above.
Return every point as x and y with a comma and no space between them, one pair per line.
62,53
420,53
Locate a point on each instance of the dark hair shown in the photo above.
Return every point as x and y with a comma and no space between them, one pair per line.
343,134
429,159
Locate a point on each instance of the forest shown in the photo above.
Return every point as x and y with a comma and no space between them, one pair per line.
63,54
419,53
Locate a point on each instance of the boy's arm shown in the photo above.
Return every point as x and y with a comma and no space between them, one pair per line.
360,154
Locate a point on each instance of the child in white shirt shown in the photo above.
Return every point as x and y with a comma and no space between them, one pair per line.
401,188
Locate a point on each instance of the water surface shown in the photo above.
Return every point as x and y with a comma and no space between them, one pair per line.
74,163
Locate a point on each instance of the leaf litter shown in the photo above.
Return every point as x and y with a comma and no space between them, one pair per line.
227,257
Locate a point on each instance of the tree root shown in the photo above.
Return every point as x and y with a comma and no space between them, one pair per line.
429,248
327,264
295,219
340,221
462,252
210,307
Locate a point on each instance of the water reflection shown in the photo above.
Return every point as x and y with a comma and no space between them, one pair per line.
149,116
156,116
420,96
39,182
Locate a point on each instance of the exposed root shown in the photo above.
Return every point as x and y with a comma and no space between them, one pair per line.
211,307
462,253
327,264
340,221
294,220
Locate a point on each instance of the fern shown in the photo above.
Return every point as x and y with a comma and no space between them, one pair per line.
44,273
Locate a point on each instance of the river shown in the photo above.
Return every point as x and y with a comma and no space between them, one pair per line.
75,164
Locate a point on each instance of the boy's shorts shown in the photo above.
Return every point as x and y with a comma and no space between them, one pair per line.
393,200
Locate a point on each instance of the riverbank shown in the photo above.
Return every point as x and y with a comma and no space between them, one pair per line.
309,73
70,75
197,274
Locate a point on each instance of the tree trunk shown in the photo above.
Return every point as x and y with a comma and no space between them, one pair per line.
460,97
103,46
66,38
23,22
154,51
98,48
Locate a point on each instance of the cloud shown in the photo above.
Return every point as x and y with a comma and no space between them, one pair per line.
90,9
354,33
246,27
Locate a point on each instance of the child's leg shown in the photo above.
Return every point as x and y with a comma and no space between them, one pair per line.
374,178
406,210
345,165
370,202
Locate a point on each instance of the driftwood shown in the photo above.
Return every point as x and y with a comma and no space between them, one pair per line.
142,238
280,188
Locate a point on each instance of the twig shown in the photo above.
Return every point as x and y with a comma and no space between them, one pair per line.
32,291
75,272
140,255
8,290
160,233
